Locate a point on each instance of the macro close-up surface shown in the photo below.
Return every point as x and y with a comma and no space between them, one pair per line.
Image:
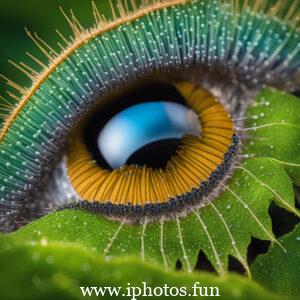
150,148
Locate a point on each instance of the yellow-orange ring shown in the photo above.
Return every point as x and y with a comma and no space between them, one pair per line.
195,160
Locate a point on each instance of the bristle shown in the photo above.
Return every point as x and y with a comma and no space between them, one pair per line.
10,94
96,14
34,72
5,103
280,10
30,76
13,84
42,49
70,22
52,51
36,60
62,37
251,43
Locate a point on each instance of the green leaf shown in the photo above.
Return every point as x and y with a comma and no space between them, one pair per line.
222,228
278,270
58,270
274,123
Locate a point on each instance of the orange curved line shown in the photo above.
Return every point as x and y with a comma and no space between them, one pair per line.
79,41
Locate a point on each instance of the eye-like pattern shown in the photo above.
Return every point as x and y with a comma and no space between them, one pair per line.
189,176
214,56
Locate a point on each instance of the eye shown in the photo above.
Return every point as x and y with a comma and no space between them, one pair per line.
192,65
158,158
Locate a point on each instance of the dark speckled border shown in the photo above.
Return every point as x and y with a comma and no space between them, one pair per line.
175,206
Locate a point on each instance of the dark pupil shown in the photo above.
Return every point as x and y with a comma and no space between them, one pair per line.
155,154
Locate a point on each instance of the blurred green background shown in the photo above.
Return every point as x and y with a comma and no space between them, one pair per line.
41,16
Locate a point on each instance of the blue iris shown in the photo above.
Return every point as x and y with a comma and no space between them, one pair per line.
142,124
